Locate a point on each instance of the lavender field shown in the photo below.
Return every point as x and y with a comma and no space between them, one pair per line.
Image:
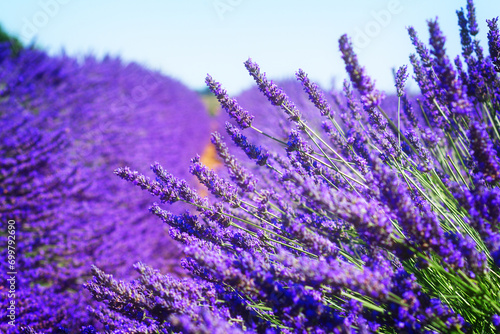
131,203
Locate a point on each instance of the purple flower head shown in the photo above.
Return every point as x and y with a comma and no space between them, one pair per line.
189,229
422,152
252,151
401,77
243,178
424,228
274,94
145,305
315,94
494,42
485,157
144,182
419,309
408,110
220,188
271,119
370,97
207,323
171,189
450,90
242,117
422,50
471,18
465,37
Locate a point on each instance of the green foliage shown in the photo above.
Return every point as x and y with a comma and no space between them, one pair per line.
15,44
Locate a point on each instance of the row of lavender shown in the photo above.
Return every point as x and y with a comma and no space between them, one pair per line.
353,222
65,126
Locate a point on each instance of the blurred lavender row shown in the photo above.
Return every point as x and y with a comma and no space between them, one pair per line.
66,125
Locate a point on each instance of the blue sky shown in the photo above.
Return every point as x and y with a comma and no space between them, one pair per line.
187,39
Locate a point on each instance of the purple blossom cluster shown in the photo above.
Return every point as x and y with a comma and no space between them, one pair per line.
344,213
268,119
66,125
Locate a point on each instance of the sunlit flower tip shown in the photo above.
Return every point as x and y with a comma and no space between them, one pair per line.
242,116
401,77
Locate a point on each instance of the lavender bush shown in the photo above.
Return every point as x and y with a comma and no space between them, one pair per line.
136,120
41,193
66,125
372,224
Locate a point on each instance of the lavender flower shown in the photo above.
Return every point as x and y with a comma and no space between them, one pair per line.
370,97
274,94
268,116
401,77
465,36
494,42
451,90
243,117
425,228
422,152
422,50
315,95
217,186
253,152
207,324
410,318
243,178
485,158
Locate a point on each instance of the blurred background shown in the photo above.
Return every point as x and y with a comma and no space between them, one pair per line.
187,39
